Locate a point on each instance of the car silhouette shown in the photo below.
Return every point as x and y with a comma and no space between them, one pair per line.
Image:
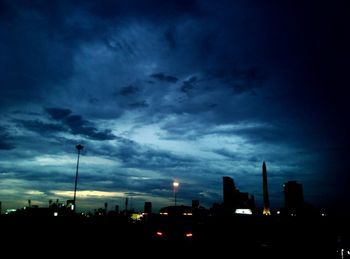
174,224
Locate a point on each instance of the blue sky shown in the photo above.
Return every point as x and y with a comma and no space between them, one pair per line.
158,91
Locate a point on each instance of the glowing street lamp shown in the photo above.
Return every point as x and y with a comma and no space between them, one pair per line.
79,148
176,186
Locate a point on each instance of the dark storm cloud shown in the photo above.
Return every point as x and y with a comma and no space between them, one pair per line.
6,11
170,37
156,187
55,175
77,125
5,139
58,113
140,104
31,58
129,90
240,79
228,153
148,158
156,9
189,84
266,134
42,127
135,155
4,145
164,78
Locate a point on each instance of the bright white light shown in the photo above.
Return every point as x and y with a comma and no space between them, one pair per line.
8,211
244,211
55,214
176,184
278,212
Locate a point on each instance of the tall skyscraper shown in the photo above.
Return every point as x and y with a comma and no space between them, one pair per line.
293,196
235,199
229,189
266,210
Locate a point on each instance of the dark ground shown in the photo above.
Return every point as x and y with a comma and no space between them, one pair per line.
236,237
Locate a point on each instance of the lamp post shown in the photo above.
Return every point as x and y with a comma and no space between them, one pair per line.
79,148
175,185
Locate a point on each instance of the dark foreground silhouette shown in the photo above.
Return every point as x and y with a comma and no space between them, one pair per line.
236,237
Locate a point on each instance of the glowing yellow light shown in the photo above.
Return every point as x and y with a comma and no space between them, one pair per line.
135,216
159,233
266,212
163,213
188,234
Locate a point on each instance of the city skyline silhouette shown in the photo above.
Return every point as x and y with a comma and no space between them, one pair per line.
232,201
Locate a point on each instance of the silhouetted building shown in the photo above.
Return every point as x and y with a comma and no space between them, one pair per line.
147,207
126,204
195,204
293,196
233,198
245,200
106,207
229,190
116,209
266,210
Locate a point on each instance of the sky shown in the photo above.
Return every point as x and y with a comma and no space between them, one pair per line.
180,90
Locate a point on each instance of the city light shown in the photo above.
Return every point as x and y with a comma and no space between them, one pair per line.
189,234
244,211
176,186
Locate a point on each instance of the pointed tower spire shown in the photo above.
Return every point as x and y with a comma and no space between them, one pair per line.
266,210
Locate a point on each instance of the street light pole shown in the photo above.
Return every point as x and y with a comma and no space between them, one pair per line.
79,148
175,185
